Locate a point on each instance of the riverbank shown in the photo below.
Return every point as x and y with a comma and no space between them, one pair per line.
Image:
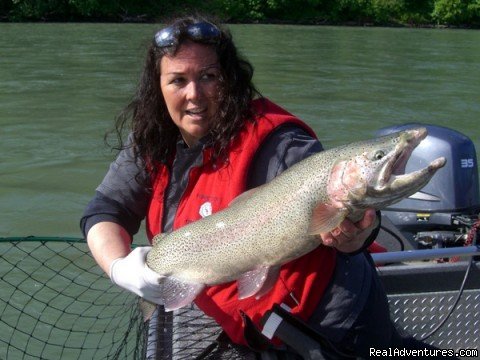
144,20
391,13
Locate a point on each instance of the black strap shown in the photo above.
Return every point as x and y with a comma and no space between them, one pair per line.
304,339
222,346
253,336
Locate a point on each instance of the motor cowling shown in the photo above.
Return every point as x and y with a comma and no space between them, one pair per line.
429,218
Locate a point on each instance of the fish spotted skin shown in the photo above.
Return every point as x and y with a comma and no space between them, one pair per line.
269,226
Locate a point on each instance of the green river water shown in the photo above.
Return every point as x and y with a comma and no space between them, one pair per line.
62,84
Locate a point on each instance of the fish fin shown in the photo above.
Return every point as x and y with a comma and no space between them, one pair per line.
177,294
257,281
157,238
325,218
147,308
245,195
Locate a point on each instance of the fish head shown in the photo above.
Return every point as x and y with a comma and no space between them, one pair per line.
371,174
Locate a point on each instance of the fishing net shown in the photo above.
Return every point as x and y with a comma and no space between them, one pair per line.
55,303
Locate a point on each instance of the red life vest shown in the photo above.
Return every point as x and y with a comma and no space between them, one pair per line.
301,283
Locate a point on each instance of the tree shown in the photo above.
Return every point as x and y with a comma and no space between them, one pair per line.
457,12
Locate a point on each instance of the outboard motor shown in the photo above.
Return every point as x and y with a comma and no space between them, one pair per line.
440,214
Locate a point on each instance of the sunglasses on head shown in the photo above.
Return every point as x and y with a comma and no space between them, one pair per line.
200,31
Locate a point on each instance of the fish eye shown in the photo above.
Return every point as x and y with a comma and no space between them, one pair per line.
379,154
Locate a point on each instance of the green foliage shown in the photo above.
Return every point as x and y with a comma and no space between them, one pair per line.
310,11
457,12
377,12
92,8
417,12
242,10
35,10
387,11
358,11
411,12
32,9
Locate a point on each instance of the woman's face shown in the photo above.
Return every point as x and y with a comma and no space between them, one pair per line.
190,83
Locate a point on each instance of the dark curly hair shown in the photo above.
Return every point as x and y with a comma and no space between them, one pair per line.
153,132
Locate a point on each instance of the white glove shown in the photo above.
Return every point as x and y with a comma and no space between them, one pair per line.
132,273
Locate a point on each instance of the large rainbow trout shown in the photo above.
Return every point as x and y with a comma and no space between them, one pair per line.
280,221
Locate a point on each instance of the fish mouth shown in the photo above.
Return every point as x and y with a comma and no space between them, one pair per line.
409,141
392,177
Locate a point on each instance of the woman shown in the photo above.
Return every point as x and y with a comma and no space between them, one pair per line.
194,120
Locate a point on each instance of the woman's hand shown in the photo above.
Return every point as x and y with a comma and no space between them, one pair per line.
132,273
349,237
110,246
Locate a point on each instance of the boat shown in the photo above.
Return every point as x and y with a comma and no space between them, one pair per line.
56,302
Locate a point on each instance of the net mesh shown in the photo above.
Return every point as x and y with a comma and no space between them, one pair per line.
56,303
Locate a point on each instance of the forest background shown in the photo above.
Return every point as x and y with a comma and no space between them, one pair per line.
414,13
